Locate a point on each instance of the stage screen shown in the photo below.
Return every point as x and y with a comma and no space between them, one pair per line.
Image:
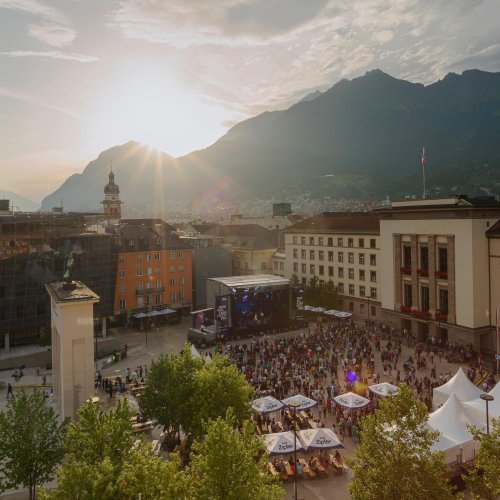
203,318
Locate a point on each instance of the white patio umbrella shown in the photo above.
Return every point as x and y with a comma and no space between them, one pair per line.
384,389
281,442
266,404
319,439
351,400
304,401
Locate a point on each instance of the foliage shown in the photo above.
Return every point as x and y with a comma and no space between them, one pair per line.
294,281
231,464
44,337
394,459
484,479
183,391
318,295
30,442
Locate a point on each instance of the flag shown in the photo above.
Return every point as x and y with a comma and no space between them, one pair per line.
424,159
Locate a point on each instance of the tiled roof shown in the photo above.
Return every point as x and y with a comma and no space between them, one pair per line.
251,236
339,222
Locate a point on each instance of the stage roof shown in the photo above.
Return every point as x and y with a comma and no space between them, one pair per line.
252,280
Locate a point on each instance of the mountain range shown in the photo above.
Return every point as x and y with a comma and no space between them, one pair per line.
361,138
18,202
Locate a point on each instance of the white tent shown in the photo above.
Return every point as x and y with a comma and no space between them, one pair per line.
459,385
319,439
304,401
351,400
281,442
451,449
452,421
384,389
477,407
266,404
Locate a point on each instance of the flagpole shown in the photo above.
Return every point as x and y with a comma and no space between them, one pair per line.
424,161
423,178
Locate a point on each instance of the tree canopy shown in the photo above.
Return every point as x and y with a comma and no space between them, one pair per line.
30,442
484,480
394,459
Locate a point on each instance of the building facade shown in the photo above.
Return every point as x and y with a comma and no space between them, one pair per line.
343,248
111,203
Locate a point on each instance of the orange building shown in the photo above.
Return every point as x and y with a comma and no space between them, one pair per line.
154,268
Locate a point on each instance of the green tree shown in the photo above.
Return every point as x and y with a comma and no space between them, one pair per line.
294,281
230,464
169,389
394,459
312,292
30,442
218,387
484,480
329,297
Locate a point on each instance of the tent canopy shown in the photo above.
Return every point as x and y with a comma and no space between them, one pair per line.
319,439
281,442
384,389
304,401
351,400
459,385
267,404
477,407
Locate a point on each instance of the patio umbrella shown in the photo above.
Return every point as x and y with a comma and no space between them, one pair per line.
281,442
351,400
140,315
266,404
304,401
319,439
384,389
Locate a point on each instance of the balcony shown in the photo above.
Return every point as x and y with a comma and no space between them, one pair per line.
423,272
405,309
441,317
406,270
146,291
442,275
421,314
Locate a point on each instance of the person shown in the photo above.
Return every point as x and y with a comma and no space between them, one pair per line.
300,469
44,380
9,391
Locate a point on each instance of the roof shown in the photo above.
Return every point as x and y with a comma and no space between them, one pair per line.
149,222
245,236
339,222
251,280
147,238
494,230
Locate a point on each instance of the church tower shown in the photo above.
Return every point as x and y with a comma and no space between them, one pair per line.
112,204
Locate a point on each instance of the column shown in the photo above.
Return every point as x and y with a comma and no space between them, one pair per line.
451,279
397,271
432,273
414,278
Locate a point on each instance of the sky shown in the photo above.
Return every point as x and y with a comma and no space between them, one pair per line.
80,76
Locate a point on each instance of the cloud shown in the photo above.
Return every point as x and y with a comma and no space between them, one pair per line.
34,8
52,54
52,34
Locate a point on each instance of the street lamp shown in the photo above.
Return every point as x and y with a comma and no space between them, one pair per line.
294,403
487,398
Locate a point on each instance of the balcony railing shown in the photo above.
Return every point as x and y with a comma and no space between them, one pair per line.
405,309
441,317
406,270
146,291
442,275
423,272
421,314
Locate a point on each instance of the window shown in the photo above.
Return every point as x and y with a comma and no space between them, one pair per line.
181,254
443,260
373,243
295,267
182,281
350,242
311,255
320,241
340,258
362,291
303,254
373,293
139,272
330,256
158,299
294,240
138,258
157,256
424,298
122,288
121,274
424,258
276,265
173,296
157,270
351,289
321,255
340,242
172,281
122,305
140,286
351,273
304,268
158,241
362,308
282,266
361,243
350,258
295,253
148,256
131,243
407,295
181,268
330,242
312,269
263,266
340,271
140,301
407,256
443,301
311,240
373,276
361,275
321,270
171,254
121,260
373,310
351,306
171,269
373,260
330,270
181,295
304,281
302,240
340,287
362,258
158,283
150,271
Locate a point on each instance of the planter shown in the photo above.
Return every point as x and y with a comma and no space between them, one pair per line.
441,317
405,270
405,309
421,314
423,272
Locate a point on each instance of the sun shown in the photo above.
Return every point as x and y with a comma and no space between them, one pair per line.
152,107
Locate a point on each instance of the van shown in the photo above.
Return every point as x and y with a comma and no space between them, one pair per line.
201,339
